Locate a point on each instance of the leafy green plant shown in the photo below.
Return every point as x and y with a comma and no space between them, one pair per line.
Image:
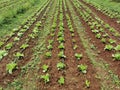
61,46
50,41
10,67
103,40
45,68
20,34
52,34
3,53
49,47
46,78
111,41
75,47
117,48
82,68
87,83
1,43
61,54
95,31
24,46
9,46
48,54
78,56
108,47
61,80
19,55
61,39
60,66
16,39
60,34
71,30
98,36
31,35
116,56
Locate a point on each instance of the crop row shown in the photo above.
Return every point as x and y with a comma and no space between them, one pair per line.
61,66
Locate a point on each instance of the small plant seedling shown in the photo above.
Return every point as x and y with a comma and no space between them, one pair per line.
72,34
117,48
3,53
61,80
50,41
82,68
103,40
52,34
61,39
78,56
111,41
35,30
49,47
46,78
60,34
10,67
20,34
108,47
61,46
32,35
60,66
48,54
61,55
116,56
24,46
9,46
95,31
98,36
71,29
75,47
87,83
45,68
16,39
19,55
1,43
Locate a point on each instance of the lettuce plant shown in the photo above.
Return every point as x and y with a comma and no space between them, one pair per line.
24,46
108,47
10,67
78,56
61,54
116,56
60,66
82,68
3,53
45,68
61,80
48,54
9,46
46,78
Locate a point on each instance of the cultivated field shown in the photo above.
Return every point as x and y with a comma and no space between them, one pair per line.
59,45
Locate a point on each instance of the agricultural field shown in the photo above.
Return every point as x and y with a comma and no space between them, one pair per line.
59,45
